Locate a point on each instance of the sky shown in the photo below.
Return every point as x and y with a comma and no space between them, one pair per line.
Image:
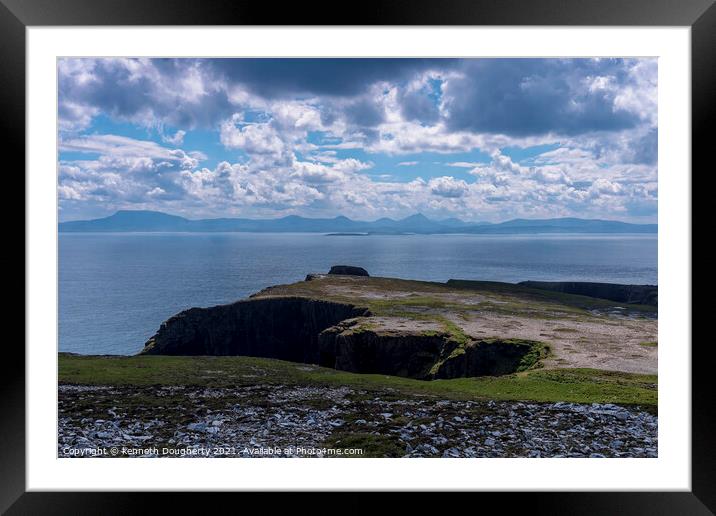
477,139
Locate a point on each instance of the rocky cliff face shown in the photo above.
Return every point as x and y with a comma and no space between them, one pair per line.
286,328
350,346
348,270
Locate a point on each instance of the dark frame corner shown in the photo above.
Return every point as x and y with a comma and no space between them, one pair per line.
700,15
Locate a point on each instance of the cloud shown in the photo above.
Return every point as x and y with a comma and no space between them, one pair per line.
464,164
541,96
341,170
73,116
298,135
261,138
420,99
115,147
177,139
605,187
565,155
500,191
147,92
645,149
332,77
447,186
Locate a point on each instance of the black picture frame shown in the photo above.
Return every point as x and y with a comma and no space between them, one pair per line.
17,15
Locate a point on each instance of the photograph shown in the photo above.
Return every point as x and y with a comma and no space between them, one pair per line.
395,257
414,248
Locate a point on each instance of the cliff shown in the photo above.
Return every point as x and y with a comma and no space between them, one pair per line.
421,351
280,327
419,329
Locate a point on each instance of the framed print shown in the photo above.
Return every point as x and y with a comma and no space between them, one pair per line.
419,249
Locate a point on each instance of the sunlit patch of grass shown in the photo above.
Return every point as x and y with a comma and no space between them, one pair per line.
650,344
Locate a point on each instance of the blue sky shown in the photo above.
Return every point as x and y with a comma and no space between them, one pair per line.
478,139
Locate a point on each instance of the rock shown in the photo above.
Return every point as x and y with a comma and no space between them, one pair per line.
348,270
451,452
249,327
483,429
350,347
418,352
427,449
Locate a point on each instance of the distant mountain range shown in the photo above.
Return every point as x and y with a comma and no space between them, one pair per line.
155,221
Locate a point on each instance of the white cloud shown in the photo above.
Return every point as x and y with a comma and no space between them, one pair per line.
640,95
464,164
254,138
351,165
447,186
564,155
317,173
605,187
177,139
119,146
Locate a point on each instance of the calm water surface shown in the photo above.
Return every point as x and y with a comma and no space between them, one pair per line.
116,289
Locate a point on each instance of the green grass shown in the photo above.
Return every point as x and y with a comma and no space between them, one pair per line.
538,351
501,298
456,333
571,385
548,296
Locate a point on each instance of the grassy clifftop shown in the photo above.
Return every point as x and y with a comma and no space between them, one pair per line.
385,296
580,331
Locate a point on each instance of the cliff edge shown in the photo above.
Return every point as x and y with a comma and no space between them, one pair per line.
417,329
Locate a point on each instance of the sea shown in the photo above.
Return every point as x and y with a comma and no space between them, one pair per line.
115,289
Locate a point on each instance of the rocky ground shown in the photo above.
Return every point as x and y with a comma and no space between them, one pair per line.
310,421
